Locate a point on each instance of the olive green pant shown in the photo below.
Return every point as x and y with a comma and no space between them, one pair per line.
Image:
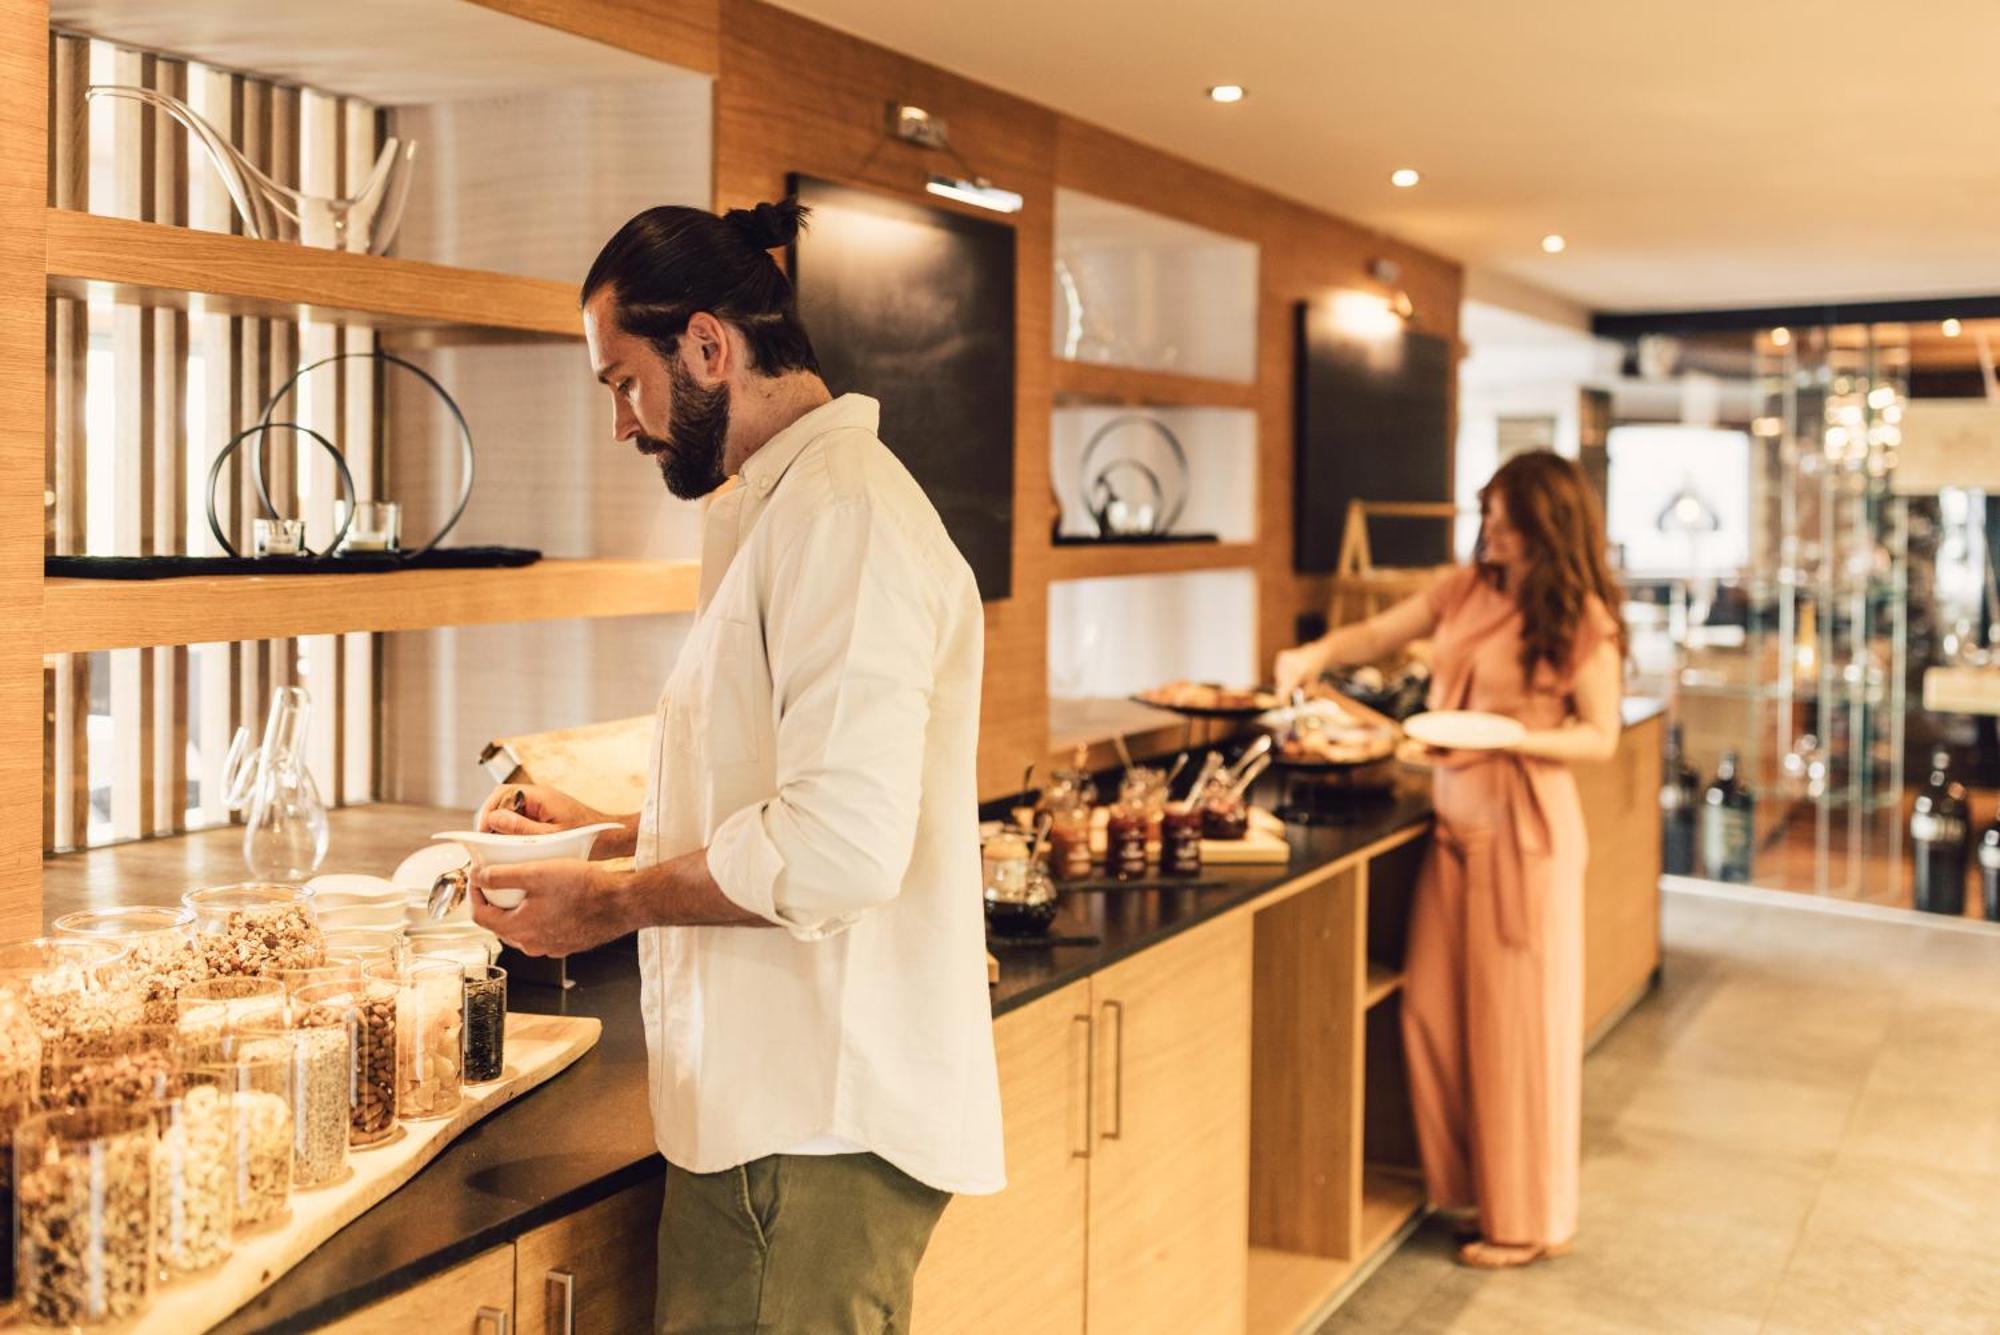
819,1244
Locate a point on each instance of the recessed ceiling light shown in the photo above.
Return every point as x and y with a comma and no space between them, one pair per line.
1554,244
1227,92
1951,328
1404,177
1781,337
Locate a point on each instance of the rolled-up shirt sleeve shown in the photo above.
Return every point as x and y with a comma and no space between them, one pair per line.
851,638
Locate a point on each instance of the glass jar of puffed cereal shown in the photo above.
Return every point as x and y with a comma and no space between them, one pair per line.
194,1190
159,944
258,1086
246,929
84,1206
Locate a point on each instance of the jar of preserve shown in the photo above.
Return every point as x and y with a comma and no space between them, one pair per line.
1224,816
1069,837
1180,840
1125,837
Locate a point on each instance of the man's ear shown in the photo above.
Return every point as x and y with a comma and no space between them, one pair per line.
707,351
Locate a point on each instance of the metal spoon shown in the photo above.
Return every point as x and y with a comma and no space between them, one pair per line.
448,891
1248,777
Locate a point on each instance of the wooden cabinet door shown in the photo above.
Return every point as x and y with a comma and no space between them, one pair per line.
1170,1165
593,1271
1015,1262
475,1297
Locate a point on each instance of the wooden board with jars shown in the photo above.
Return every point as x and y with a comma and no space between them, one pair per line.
113,1255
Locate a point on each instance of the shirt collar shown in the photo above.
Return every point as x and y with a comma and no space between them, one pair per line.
763,470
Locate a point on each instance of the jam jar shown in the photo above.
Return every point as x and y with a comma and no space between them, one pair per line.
1125,836
1180,840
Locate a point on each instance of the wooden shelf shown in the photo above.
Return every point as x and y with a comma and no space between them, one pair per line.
1382,982
83,615
1088,382
1293,1292
1113,560
151,264
1288,1290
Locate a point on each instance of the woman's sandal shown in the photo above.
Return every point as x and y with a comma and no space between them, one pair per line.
1483,1255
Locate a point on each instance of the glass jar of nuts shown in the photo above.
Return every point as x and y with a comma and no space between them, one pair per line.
159,946
133,1066
72,989
257,1086
366,1012
84,1202
246,929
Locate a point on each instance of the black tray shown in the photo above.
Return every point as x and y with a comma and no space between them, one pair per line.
361,563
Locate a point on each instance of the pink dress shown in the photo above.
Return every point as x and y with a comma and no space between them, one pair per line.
1493,997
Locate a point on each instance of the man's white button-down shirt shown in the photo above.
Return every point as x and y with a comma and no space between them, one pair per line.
818,737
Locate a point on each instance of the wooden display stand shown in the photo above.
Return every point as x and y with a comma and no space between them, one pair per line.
1360,587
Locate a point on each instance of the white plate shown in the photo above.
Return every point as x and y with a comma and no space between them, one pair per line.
1464,730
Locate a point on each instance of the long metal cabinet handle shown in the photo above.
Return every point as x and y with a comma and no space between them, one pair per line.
1117,1073
560,1290
1089,1085
498,1319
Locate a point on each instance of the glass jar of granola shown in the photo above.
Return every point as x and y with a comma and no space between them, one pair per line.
159,945
246,929
84,1202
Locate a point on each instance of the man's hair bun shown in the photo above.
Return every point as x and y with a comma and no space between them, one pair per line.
769,226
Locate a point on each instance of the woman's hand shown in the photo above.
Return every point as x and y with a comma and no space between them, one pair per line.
1299,666
533,809
1413,752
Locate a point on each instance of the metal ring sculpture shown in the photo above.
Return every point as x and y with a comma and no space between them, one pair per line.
236,442
451,406
1170,512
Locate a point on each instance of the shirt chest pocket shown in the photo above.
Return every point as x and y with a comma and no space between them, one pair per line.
720,705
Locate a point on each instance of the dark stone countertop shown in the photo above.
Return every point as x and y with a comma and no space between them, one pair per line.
587,1134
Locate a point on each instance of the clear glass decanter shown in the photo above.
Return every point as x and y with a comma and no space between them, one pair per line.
284,821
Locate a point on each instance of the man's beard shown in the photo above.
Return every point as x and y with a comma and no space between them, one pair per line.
690,457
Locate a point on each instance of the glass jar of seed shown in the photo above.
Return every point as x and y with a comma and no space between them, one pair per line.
366,1012
315,1059
485,1023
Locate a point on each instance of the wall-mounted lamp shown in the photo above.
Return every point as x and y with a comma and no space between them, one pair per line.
914,125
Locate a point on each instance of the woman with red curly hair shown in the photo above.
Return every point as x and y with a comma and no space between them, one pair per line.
1493,991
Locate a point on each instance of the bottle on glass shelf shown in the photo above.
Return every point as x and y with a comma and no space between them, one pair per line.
1728,819
1989,868
1941,840
1680,801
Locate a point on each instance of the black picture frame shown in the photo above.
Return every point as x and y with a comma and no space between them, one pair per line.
915,307
1373,424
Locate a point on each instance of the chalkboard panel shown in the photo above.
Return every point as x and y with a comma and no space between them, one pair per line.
914,306
1373,425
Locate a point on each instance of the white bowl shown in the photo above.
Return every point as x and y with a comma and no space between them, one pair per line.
489,849
384,916
342,889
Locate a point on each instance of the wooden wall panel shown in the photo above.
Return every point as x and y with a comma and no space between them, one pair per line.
24,52
797,97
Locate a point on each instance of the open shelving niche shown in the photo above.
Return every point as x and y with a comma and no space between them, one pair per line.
503,216
1155,319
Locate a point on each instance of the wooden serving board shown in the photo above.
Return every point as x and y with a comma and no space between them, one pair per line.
1264,843
538,1047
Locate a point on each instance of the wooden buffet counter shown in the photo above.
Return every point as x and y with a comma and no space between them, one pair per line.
1205,1119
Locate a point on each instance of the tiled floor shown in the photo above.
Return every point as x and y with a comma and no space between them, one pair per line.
1799,1133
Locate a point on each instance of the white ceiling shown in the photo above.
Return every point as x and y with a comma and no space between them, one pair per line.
1702,153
